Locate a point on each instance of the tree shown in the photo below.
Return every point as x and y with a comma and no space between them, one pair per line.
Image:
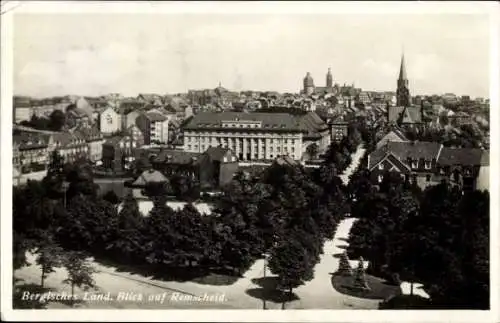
312,150
79,272
185,187
140,165
360,277
128,242
49,257
111,197
157,192
159,223
80,177
57,119
291,262
344,266
191,241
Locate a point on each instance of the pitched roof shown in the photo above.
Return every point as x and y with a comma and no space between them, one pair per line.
405,150
115,140
30,140
462,156
150,176
89,133
155,116
286,160
274,121
217,153
404,114
178,157
174,123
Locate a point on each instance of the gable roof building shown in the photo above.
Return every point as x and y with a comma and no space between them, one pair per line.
148,177
404,115
429,162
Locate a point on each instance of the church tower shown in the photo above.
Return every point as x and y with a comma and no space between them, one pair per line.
329,78
403,92
308,84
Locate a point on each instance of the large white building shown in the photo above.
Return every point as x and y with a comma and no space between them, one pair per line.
251,136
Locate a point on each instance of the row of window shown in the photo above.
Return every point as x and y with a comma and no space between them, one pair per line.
240,148
405,177
233,125
427,165
414,165
253,140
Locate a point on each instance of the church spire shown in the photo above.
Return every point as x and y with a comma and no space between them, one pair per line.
329,78
403,92
402,69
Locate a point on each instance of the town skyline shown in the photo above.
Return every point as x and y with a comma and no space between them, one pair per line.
273,53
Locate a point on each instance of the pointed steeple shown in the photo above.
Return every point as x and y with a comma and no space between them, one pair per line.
329,78
402,69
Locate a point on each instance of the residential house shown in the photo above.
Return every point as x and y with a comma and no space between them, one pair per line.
171,162
118,152
71,145
174,130
94,140
405,116
154,127
188,112
110,121
77,117
338,128
364,98
150,98
218,166
126,106
147,177
30,151
460,118
428,163
315,131
131,118
136,135
213,168
394,135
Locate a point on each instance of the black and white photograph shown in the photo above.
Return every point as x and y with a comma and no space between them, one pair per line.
173,156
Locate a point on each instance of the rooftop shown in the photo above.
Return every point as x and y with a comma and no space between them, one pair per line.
274,121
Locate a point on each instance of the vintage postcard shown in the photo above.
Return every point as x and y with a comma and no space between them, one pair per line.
241,161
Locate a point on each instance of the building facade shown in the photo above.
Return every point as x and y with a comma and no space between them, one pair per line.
94,140
109,121
154,127
71,145
30,152
251,136
428,163
118,152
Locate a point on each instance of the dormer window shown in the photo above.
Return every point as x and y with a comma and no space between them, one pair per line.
427,164
381,166
414,164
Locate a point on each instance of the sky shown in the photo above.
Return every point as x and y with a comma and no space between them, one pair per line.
96,54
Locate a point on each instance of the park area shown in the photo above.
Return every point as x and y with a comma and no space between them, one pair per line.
120,287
